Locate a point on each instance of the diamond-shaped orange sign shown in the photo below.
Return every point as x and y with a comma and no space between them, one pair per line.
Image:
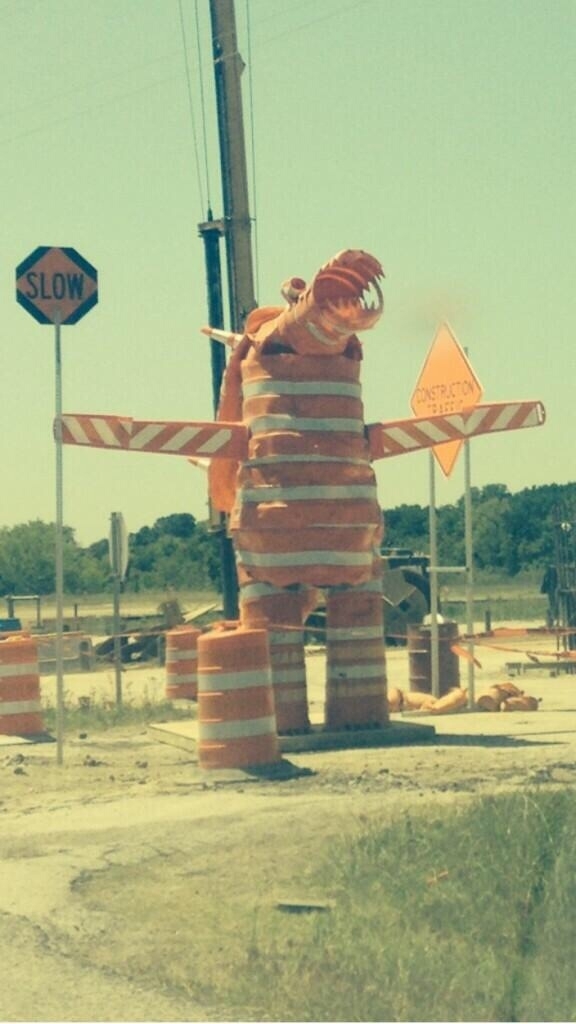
447,384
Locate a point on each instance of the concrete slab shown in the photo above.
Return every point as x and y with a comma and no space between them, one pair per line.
13,741
184,734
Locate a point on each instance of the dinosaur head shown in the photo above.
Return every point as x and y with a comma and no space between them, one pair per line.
343,298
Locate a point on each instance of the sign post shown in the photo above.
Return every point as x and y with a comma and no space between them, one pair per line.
447,384
57,286
119,563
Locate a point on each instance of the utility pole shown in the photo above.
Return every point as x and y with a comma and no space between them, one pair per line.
235,226
228,67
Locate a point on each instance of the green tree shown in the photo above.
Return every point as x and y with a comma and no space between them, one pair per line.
27,561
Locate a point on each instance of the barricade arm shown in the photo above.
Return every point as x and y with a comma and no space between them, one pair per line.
398,437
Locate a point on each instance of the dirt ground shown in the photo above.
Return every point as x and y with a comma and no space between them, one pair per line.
123,798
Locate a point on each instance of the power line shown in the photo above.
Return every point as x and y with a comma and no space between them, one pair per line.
252,147
202,103
191,108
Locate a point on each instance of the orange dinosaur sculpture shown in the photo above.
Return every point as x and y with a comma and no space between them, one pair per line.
291,462
303,506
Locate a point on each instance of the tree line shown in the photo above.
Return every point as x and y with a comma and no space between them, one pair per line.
512,533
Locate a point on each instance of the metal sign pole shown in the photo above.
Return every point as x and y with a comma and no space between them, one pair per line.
117,642
469,571
59,543
434,666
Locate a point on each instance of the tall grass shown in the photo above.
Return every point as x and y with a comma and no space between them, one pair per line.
464,916
468,917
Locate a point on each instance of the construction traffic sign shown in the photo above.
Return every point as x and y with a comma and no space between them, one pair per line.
447,384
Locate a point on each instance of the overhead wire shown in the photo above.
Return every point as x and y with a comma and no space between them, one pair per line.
253,150
191,108
202,105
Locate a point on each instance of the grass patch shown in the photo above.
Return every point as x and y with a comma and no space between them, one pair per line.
95,713
467,916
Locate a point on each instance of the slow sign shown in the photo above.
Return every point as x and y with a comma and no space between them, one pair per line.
56,285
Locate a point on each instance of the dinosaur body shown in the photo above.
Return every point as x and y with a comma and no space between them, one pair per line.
303,506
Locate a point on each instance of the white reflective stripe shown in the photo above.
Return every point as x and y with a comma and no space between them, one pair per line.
211,682
340,673
253,591
214,443
181,654
324,492
298,387
237,730
355,633
278,421
179,439
273,460
183,679
293,558
21,669
290,636
477,417
403,439
76,429
146,435
106,433
19,707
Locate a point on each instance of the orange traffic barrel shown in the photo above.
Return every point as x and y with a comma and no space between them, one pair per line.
281,612
20,707
236,716
182,663
355,659
420,658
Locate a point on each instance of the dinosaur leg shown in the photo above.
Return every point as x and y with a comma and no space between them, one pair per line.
282,612
355,658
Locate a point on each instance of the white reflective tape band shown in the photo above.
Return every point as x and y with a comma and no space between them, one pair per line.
405,440
105,432
19,707
354,633
76,429
146,435
294,558
181,654
273,460
340,673
211,682
237,730
179,439
254,591
352,492
298,387
15,671
296,424
184,679
214,443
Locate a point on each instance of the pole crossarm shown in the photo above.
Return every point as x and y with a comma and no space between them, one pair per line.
192,438
399,437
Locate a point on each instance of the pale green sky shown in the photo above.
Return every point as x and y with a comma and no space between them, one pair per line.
437,134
